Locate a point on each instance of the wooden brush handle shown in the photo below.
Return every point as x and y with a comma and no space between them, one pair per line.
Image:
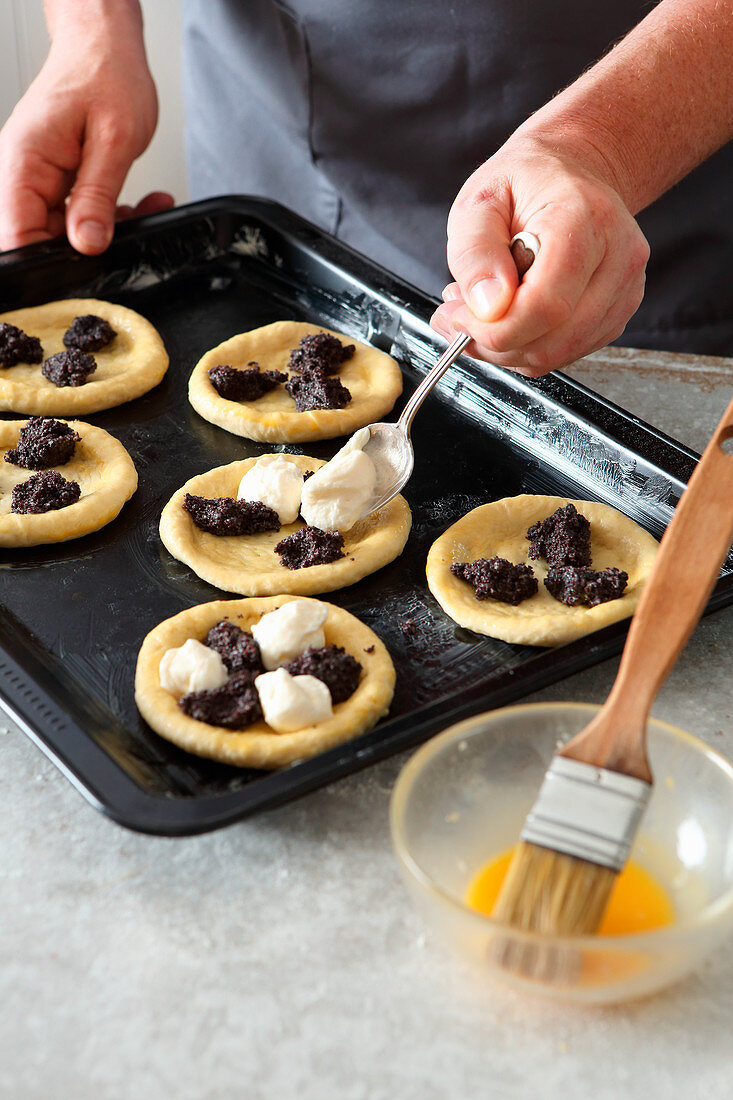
685,570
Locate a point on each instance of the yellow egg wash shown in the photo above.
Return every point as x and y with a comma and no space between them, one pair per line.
637,904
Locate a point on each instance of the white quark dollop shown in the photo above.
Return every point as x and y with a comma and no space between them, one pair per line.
191,667
292,702
287,632
336,495
277,483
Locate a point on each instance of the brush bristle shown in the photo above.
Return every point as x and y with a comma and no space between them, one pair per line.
552,893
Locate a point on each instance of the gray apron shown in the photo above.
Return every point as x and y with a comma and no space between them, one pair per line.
366,117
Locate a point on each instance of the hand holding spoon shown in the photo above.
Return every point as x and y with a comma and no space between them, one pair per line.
389,445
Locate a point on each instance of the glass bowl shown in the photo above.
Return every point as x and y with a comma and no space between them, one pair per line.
463,797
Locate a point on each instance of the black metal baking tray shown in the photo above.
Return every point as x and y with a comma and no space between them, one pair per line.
73,616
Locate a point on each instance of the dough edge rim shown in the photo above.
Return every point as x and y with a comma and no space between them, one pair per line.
571,622
67,401
96,510
292,426
261,747
174,528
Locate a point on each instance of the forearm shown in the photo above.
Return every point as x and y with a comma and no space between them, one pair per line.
117,24
654,107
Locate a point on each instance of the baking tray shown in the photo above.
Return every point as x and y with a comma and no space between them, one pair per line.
73,616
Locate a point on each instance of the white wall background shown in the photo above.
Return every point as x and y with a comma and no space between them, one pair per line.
24,42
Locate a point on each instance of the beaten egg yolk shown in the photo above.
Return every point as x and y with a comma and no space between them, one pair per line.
637,903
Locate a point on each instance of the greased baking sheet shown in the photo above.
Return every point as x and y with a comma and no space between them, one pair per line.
73,616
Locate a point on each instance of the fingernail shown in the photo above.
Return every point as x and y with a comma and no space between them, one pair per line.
483,298
451,293
93,234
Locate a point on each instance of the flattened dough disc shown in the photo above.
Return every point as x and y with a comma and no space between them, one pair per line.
373,378
106,475
132,364
259,746
249,565
498,530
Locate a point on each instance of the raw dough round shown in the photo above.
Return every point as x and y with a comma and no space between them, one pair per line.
248,563
106,476
132,364
258,746
372,377
499,529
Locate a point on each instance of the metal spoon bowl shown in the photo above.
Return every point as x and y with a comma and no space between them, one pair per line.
389,445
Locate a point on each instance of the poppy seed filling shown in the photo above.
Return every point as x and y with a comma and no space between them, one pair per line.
44,492
497,579
244,385
88,333
314,390
234,705
69,368
331,664
17,347
310,546
562,538
579,586
227,516
43,442
320,352
236,647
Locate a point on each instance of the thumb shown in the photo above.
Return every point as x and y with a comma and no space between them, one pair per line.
480,260
90,215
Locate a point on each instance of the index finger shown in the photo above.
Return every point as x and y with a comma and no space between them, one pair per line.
29,194
23,217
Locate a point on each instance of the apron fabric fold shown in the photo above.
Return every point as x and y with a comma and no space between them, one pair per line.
366,117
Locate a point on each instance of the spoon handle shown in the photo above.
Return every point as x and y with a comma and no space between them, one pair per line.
524,248
449,356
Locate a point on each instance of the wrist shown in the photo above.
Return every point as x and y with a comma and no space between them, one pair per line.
102,26
654,107
587,145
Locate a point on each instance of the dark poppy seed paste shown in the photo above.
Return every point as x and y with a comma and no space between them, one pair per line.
310,546
43,442
244,385
313,390
44,492
331,664
498,579
236,647
88,333
561,539
69,368
17,347
320,352
234,706
227,516
578,586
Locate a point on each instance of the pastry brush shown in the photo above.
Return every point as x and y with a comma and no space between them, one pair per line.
577,836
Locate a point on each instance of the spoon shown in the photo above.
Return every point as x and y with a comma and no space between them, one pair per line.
389,445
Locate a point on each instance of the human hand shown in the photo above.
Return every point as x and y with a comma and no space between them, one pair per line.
73,136
586,281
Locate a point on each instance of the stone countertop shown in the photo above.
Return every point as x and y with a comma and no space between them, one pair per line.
281,957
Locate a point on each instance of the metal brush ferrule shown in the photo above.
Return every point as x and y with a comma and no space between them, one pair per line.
587,812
